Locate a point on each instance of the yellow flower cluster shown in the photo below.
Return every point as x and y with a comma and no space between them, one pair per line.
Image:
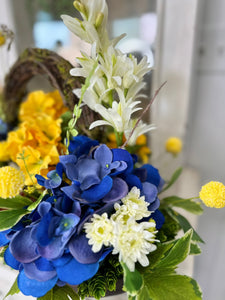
34,146
213,194
11,182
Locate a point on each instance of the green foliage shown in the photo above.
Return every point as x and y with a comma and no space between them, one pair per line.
60,293
13,290
18,202
188,204
106,278
2,251
132,281
160,282
169,229
97,286
9,218
15,209
168,286
173,179
34,205
185,225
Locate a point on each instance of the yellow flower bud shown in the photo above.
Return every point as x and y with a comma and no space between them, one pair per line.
213,194
99,19
173,145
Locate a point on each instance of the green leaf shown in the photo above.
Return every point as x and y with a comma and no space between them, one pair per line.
17,202
13,290
60,293
9,218
157,255
132,281
32,206
166,286
187,204
173,179
195,249
185,225
144,294
177,253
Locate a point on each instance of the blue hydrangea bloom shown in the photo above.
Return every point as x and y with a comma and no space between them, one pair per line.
49,247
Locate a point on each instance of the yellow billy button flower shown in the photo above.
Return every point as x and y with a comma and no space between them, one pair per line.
213,194
173,145
11,182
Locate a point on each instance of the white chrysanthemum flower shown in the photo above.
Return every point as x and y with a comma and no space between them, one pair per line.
133,206
133,242
99,231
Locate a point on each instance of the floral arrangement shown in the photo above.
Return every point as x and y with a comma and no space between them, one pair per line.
79,214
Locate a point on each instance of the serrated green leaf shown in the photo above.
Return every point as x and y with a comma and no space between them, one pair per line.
187,204
17,202
132,281
13,290
185,225
9,218
177,253
165,286
195,249
60,293
173,179
36,203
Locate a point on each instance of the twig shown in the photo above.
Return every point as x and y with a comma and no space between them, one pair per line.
144,111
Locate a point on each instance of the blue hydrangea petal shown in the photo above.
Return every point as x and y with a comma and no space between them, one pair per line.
67,159
88,172
35,288
23,247
63,260
123,155
141,173
54,180
3,238
44,265
40,180
75,273
42,234
81,145
98,191
118,191
44,208
154,205
133,180
81,250
103,155
159,218
53,250
152,174
10,260
71,191
32,272
149,191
